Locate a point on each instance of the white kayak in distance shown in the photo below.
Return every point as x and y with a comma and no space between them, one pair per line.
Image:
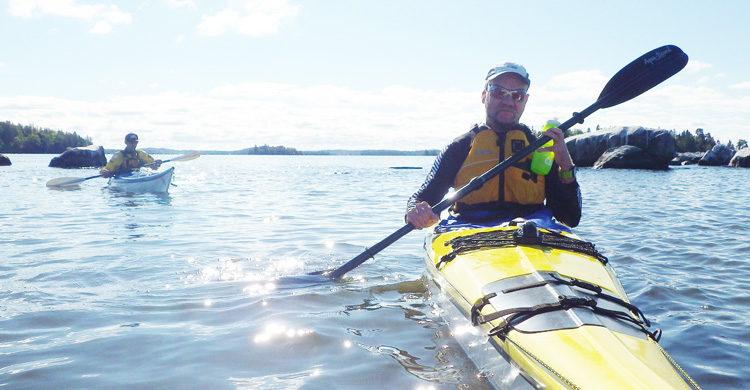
140,182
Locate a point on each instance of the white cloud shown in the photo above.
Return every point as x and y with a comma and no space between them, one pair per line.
254,18
694,66
239,116
742,85
102,16
101,27
219,23
2,64
710,78
573,85
235,116
21,8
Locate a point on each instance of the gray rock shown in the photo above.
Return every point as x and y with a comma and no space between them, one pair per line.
741,158
688,158
659,145
4,160
719,155
627,157
80,158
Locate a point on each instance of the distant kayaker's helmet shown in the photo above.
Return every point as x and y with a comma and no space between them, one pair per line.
508,67
132,137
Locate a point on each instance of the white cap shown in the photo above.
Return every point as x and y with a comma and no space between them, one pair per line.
508,67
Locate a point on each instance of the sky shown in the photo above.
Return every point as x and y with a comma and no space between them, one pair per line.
356,74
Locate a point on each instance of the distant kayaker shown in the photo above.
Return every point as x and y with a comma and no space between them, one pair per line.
516,192
128,159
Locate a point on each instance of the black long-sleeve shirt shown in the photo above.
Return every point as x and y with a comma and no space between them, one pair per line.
563,199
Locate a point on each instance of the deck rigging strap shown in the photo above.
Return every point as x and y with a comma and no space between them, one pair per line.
519,314
596,290
527,234
591,295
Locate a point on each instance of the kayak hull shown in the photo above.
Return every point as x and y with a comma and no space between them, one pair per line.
154,183
535,316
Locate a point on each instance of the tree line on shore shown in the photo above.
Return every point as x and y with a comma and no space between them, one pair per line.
266,150
701,142
31,139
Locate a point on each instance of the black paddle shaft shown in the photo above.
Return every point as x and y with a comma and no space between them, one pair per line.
634,79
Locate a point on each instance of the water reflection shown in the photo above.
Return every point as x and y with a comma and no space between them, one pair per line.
64,188
128,199
273,332
296,380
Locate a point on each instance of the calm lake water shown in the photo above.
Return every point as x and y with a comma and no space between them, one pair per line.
104,290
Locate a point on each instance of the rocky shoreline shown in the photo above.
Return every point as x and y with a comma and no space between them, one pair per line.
636,147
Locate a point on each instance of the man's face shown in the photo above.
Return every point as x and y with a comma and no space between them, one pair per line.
131,144
503,111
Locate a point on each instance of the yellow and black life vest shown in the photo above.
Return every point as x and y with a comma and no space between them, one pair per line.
130,160
516,187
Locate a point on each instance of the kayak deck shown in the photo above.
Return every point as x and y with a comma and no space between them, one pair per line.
554,309
134,182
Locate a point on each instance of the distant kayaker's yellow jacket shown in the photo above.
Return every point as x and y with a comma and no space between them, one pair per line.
516,186
126,161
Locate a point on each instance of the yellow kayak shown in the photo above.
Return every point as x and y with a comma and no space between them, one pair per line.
548,306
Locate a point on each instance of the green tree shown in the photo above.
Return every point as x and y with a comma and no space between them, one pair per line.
30,139
272,150
572,132
29,144
685,142
700,142
704,140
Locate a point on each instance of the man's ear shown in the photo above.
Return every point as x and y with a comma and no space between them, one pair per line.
484,96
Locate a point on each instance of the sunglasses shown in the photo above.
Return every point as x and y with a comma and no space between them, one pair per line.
500,93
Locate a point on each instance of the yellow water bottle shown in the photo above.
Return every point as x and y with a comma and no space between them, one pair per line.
541,162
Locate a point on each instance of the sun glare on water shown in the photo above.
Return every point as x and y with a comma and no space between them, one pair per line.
274,331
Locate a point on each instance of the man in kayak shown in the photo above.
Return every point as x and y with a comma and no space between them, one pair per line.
128,159
516,192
